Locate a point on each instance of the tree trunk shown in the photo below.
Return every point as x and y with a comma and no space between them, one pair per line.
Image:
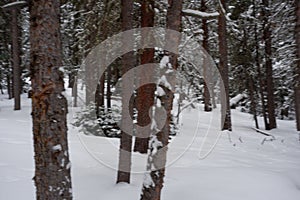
145,95
158,155
49,106
297,78
16,60
207,104
253,100
127,85
260,77
268,65
8,81
223,48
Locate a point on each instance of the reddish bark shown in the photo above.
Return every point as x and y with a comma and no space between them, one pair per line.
145,94
49,106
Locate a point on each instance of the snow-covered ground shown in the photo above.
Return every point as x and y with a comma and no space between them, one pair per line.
242,165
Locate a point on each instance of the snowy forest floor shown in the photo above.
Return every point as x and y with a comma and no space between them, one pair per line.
243,165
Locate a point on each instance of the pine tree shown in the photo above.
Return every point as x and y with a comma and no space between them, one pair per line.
49,106
154,177
145,95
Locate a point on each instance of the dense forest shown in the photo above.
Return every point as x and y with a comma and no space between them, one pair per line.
133,66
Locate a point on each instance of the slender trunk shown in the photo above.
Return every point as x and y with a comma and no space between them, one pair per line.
145,95
49,106
207,104
108,90
127,85
297,78
268,64
223,51
260,77
16,60
8,80
253,101
158,155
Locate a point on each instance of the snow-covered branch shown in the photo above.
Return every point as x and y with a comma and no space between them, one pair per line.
200,14
16,4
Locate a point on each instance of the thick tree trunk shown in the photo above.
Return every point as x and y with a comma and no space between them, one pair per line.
16,60
268,65
207,104
49,106
127,85
158,154
297,78
223,48
145,95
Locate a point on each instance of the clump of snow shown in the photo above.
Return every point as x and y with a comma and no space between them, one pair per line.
160,92
163,80
237,98
164,61
57,147
148,182
155,144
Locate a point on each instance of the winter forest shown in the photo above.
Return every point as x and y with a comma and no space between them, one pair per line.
150,100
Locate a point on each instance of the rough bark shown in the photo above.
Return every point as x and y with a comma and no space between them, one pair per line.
223,52
158,155
297,78
49,106
268,64
16,60
145,94
127,85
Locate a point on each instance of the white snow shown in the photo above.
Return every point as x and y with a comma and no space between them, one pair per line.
15,4
148,182
57,147
239,166
236,99
163,80
200,14
160,92
164,61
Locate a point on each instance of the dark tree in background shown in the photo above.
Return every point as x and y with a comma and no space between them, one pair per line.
205,43
127,63
297,78
15,36
49,106
267,36
223,65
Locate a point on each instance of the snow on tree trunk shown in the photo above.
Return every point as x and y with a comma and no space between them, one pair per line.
223,48
158,143
49,106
